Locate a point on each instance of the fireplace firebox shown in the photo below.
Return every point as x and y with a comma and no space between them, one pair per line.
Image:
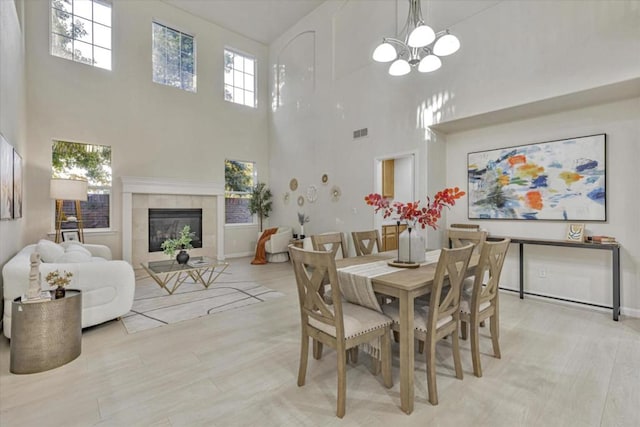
167,223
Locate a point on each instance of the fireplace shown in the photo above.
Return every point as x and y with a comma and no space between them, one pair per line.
167,223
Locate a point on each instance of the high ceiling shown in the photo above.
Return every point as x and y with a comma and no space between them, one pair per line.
261,20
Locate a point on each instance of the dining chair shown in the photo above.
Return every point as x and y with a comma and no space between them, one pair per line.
462,237
330,242
441,317
365,241
481,302
340,326
468,227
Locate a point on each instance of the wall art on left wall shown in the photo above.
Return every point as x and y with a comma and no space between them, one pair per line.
17,185
6,179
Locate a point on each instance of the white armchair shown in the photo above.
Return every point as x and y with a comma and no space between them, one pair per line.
277,247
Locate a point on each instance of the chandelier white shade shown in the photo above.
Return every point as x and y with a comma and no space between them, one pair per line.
420,47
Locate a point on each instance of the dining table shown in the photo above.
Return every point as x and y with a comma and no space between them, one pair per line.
405,284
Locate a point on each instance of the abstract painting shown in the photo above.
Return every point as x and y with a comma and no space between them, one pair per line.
557,180
17,185
6,179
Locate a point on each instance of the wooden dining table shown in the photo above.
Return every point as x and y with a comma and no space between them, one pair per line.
405,284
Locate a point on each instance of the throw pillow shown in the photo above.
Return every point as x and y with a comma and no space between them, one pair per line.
77,247
49,251
73,257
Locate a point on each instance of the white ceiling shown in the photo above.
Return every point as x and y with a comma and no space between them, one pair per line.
261,20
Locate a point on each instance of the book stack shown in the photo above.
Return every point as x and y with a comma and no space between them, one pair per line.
605,240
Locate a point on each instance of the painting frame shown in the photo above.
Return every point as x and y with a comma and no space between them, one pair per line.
17,185
70,236
559,180
6,179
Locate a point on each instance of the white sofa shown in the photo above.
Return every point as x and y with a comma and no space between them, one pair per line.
277,247
107,286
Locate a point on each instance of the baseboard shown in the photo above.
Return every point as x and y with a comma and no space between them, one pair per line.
624,311
629,312
239,254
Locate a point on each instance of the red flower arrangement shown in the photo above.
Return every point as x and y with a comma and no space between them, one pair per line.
412,211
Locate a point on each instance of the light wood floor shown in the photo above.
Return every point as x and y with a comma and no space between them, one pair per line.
560,366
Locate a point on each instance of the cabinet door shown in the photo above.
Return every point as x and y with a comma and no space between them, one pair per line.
387,178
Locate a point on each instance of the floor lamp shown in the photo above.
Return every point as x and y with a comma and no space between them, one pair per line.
68,189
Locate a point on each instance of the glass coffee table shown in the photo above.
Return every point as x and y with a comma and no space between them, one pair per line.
170,275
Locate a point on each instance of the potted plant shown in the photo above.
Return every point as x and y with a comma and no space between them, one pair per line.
182,243
260,202
59,281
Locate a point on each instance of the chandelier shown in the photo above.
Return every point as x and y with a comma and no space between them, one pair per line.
421,46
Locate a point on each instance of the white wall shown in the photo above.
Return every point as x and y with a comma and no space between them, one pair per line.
570,273
325,85
12,114
154,130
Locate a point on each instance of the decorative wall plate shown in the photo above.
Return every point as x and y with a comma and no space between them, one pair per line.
312,193
293,184
325,178
335,193
300,200
285,198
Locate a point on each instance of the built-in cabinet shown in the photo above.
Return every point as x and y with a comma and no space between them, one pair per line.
390,236
388,171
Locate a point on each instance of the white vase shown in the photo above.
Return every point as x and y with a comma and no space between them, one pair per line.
302,230
415,241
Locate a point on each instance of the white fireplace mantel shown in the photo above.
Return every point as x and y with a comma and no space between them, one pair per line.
144,185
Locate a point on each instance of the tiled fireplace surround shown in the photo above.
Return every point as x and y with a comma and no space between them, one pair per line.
140,194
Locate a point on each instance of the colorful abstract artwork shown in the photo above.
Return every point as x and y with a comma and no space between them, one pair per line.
557,180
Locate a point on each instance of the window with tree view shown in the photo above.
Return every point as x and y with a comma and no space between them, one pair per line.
72,160
239,180
239,78
81,31
174,62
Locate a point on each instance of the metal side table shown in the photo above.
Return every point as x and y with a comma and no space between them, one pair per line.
46,334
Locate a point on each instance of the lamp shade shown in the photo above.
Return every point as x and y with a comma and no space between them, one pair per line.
399,67
446,45
429,63
68,189
421,36
385,52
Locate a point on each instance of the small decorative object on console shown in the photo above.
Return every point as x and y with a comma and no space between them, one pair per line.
575,232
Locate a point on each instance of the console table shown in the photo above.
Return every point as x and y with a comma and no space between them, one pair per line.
615,253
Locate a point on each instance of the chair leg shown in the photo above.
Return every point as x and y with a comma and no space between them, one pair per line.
455,346
317,350
396,336
342,380
475,348
431,371
464,330
304,356
420,346
385,355
495,335
353,354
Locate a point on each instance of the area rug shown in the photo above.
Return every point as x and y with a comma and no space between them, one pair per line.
154,307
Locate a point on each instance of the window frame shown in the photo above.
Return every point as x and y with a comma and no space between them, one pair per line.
181,32
254,176
89,188
52,34
244,55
